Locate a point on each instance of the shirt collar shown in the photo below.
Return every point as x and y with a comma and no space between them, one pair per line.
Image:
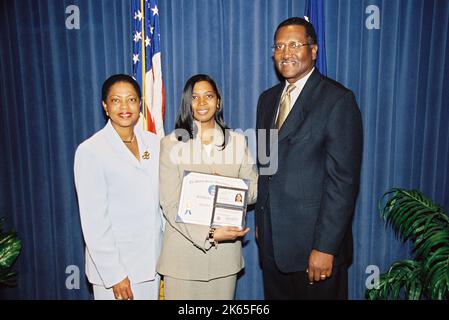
299,85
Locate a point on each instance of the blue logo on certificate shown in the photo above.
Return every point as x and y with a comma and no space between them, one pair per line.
211,190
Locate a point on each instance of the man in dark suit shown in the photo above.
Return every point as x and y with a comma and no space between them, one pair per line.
304,209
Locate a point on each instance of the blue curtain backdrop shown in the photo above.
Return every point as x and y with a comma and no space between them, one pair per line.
50,102
50,99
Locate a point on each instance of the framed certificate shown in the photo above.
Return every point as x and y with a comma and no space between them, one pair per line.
202,193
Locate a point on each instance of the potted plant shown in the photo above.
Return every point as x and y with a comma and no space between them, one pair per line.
10,247
416,218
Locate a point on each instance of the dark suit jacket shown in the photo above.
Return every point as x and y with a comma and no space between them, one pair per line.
311,197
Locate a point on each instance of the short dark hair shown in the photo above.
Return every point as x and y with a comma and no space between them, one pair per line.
184,119
109,82
296,21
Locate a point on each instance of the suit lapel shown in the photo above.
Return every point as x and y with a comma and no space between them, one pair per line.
272,107
301,107
118,146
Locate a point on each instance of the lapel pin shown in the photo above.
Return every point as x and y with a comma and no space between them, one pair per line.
146,155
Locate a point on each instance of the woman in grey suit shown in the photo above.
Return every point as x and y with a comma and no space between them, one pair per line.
199,262
116,177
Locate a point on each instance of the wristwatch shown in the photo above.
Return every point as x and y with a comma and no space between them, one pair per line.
211,238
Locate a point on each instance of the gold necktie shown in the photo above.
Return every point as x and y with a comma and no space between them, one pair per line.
284,106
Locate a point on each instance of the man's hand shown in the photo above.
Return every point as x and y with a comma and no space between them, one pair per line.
122,290
320,266
229,233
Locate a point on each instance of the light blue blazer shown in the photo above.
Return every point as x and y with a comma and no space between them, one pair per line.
118,200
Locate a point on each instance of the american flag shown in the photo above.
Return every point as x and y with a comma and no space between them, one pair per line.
314,13
147,68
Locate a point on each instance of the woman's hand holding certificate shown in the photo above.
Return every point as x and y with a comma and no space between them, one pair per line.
229,233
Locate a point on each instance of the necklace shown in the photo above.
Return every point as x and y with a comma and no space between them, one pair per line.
129,141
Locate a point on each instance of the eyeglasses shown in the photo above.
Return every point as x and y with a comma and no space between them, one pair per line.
293,45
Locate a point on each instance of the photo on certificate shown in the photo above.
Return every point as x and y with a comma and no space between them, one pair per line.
230,196
229,207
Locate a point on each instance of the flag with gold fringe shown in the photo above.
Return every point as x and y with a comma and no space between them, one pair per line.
147,68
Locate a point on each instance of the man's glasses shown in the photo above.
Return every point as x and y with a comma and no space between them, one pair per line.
293,45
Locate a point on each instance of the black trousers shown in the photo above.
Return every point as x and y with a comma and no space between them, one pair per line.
295,285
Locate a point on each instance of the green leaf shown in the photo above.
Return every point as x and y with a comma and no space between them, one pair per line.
9,250
10,247
415,217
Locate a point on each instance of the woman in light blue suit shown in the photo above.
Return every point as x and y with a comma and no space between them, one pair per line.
116,177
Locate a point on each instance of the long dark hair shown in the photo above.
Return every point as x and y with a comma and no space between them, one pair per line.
184,119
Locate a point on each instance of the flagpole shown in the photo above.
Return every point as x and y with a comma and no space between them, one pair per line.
144,60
